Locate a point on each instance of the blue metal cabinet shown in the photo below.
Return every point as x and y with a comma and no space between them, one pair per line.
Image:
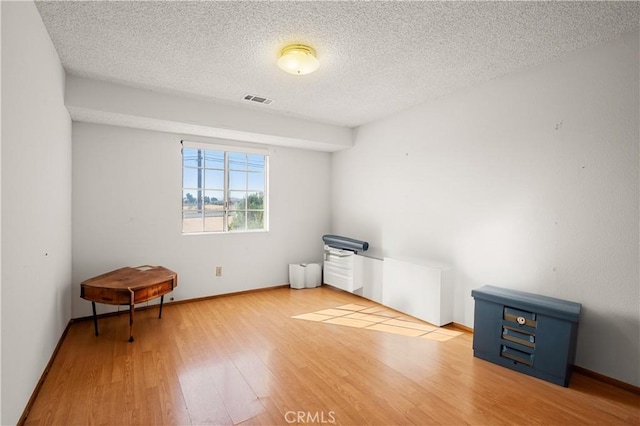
529,333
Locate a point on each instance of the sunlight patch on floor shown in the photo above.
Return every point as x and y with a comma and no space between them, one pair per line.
381,319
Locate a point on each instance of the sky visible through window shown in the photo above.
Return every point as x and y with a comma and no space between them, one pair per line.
213,176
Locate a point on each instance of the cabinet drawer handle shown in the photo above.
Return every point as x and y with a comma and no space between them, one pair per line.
521,320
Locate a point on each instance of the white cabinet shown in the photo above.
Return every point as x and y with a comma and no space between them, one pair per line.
338,269
354,273
368,277
420,290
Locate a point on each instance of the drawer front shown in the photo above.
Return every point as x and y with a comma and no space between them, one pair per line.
518,336
516,355
338,277
331,269
153,291
519,317
108,296
338,269
339,259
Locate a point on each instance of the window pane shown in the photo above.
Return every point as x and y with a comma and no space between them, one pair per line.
237,200
213,200
214,179
236,221
256,181
191,221
214,160
213,221
190,197
255,163
255,220
190,157
237,161
190,177
255,201
237,180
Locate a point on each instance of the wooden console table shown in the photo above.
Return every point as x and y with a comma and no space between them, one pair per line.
128,286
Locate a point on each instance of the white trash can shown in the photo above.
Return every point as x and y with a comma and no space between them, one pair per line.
296,275
313,275
305,275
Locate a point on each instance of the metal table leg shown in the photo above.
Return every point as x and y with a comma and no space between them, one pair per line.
131,309
161,302
95,317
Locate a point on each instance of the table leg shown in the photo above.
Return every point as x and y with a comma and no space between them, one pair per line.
95,317
131,309
161,302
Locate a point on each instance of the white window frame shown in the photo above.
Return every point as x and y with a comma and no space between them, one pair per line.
227,205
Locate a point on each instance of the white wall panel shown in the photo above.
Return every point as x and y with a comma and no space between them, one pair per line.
420,290
368,277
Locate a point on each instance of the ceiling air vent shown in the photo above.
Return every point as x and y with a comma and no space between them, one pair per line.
258,99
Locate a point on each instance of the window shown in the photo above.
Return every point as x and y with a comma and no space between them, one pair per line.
224,189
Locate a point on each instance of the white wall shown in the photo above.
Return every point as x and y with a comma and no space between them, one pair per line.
36,204
127,211
103,102
0,231
530,182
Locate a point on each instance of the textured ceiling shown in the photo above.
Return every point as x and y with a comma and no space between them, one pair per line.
376,57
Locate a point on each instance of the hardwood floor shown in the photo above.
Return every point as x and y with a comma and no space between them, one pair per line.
242,359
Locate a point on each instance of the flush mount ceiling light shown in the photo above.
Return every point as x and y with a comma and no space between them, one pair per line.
298,59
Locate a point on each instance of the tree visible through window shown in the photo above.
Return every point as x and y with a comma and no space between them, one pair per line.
223,191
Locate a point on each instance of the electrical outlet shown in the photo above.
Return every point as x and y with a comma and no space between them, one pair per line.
218,271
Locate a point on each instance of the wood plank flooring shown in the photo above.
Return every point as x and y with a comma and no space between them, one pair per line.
242,359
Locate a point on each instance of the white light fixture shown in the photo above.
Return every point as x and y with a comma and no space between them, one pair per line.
298,59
